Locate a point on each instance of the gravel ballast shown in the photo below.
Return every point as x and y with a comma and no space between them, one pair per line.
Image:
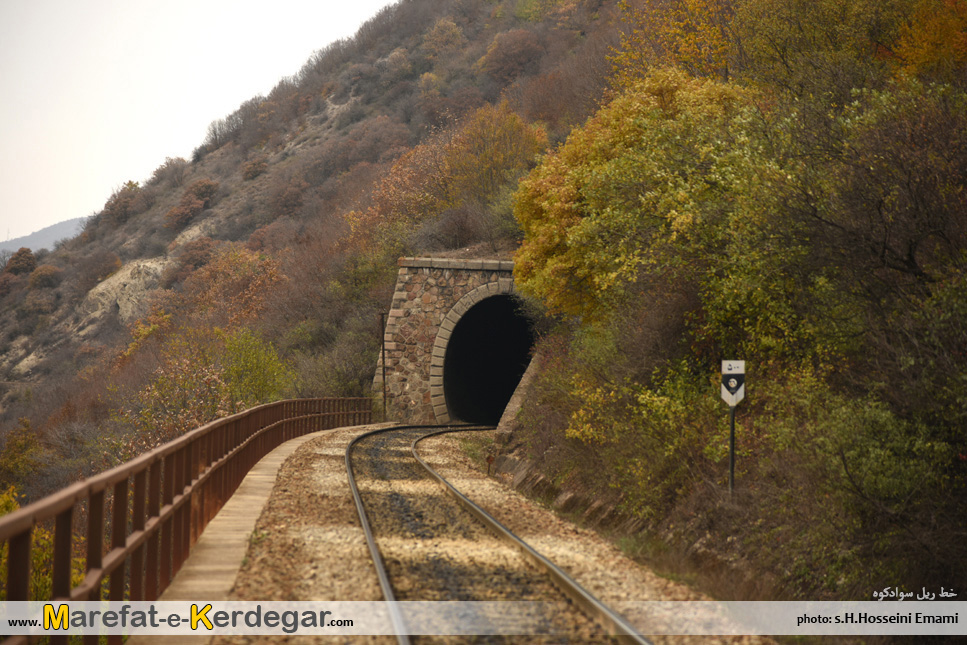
308,544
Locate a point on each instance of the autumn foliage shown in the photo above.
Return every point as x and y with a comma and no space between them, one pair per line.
21,262
466,164
196,198
780,181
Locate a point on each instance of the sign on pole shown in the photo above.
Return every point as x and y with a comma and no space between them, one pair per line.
733,391
733,382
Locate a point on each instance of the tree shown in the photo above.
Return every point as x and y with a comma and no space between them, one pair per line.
645,172
21,262
697,35
444,38
21,457
233,287
822,48
253,370
510,54
468,164
934,41
41,554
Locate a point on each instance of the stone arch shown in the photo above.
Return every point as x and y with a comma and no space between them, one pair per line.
442,341
435,301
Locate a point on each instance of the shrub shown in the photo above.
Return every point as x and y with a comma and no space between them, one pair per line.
203,190
127,201
45,276
179,216
254,372
254,168
196,198
21,455
42,301
41,554
286,196
171,172
444,38
8,282
194,254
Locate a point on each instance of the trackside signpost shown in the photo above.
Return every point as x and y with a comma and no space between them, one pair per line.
733,391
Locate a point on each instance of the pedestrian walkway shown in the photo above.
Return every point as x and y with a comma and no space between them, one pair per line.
210,570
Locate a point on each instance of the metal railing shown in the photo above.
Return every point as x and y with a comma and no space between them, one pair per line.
140,519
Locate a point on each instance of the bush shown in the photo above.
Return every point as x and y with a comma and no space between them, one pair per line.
127,201
193,255
22,455
179,216
254,168
41,554
45,276
8,282
254,372
172,172
196,198
203,190
286,196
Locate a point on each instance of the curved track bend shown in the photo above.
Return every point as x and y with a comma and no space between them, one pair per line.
434,547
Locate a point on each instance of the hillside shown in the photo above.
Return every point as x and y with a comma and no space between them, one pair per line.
680,181
261,246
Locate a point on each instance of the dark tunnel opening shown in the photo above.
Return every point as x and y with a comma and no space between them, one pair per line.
486,357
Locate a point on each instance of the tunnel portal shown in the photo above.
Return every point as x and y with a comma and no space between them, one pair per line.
455,344
487,354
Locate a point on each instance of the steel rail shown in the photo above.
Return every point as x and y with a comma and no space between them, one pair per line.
399,625
613,622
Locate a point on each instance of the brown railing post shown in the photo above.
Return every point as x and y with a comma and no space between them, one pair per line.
119,529
136,592
63,543
152,576
167,494
18,566
95,538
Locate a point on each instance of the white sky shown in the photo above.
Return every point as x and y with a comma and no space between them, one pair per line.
94,93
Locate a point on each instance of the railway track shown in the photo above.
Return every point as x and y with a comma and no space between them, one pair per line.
429,542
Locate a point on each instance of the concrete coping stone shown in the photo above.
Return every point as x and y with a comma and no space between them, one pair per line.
452,263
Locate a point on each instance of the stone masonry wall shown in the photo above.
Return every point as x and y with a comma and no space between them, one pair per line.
431,295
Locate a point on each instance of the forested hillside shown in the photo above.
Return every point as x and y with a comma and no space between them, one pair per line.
680,182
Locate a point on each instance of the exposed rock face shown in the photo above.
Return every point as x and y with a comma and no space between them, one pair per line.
125,292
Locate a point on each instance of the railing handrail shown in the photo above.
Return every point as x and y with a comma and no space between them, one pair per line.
191,477
102,481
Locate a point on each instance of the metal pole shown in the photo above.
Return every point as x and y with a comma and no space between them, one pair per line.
382,344
731,449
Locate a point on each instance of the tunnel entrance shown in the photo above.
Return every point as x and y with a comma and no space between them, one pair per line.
485,359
